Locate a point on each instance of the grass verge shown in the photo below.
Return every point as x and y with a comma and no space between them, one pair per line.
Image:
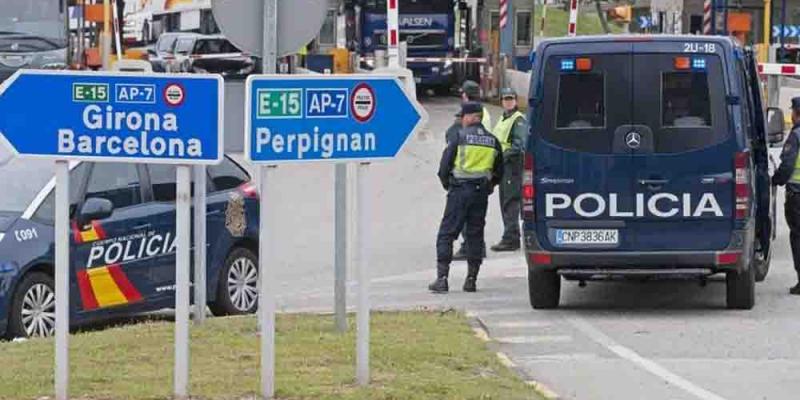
415,355
555,24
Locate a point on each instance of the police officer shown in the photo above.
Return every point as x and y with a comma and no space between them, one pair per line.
789,174
511,130
470,92
470,168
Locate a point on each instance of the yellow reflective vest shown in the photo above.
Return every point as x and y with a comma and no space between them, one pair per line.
504,127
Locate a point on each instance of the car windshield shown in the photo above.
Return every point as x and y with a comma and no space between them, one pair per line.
184,46
28,44
22,181
166,44
215,46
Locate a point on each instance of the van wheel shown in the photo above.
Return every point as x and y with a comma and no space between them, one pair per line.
741,294
237,290
544,288
33,311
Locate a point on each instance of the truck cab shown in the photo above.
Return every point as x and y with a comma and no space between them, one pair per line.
647,159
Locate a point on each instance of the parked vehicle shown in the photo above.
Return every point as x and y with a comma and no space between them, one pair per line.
162,54
211,54
21,50
122,246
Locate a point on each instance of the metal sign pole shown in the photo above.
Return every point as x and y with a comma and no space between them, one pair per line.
62,280
340,245
266,308
266,305
362,336
200,244
182,232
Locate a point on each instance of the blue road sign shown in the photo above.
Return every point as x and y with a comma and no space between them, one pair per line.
788,31
327,118
156,118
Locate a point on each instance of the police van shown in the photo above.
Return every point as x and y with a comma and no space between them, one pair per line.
122,242
647,159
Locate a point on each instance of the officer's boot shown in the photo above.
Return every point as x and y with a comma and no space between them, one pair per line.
796,289
470,284
440,284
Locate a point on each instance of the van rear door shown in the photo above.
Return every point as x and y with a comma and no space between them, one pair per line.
684,166
580,164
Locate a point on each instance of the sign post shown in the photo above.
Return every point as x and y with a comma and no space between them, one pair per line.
119,117
333,119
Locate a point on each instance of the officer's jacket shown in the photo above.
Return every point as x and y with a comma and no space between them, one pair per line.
467,157
511,129
452,132
789,172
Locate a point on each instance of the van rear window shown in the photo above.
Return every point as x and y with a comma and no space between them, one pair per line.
685,101
581,99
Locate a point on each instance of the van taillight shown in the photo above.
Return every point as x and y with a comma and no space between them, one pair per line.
528,190
742,182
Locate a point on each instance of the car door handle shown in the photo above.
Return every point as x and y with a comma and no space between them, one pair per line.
142,226
653,182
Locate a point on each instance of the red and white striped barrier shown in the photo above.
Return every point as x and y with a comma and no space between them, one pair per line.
393,25
707,17
468,60
572,28
779,69
503,14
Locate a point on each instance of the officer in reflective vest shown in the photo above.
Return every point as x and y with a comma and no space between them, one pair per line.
789,174
511,131
470,92
470,168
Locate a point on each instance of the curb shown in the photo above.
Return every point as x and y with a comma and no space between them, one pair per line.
482,333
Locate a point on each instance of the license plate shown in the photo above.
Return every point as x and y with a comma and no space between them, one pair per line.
587,236
417,79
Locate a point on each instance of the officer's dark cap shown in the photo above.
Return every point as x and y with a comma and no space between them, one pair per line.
471,89
471,107
796,103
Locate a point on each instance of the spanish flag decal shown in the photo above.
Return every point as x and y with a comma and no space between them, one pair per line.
106,287
90,233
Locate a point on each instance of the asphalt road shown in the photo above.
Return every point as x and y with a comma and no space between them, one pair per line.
657,340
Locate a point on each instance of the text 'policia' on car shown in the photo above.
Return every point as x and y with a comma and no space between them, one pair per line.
122,245
647,158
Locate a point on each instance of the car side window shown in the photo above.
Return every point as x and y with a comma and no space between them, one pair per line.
47,211
163,181
116,182
227,175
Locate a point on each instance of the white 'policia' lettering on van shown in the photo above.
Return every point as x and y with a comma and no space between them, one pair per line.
647,156
660,205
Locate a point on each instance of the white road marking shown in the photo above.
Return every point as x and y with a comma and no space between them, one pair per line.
520,324
557,358
534,339
644,363
502,312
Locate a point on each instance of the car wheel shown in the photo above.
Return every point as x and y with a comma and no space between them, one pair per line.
237,291
544,288
33,311
741,294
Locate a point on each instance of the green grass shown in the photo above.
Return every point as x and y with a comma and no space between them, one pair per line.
557,19
414,356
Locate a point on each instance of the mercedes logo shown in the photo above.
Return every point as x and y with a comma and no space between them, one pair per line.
633,140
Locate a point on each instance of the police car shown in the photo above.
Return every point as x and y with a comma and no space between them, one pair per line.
647,158
122,242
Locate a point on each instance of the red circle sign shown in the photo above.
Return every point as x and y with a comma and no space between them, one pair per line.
363,102
174,94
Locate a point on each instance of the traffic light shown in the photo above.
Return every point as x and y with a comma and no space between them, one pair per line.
621,14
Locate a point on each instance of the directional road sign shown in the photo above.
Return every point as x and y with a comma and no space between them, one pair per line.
117,116
327,118
788,31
